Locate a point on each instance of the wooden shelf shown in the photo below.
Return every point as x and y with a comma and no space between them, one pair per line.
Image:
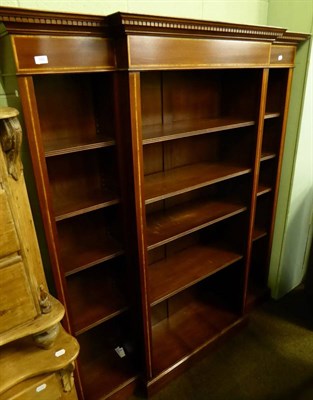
263,189
258,233
105,375
267,156
105,297
102,370
162,185
66,145
184,269
67,207
80,254
188,331
168,225
177,130
269,115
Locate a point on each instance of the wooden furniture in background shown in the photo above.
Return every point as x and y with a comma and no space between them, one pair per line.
156,146
30,333
26,306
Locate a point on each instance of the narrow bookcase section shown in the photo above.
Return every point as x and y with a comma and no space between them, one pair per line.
156,146
80,171
269,171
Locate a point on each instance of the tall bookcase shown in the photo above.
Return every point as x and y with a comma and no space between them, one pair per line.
156,146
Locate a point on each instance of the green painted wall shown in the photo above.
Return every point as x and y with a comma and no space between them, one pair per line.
246,11
293,229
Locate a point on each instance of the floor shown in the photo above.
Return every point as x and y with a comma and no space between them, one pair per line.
270,359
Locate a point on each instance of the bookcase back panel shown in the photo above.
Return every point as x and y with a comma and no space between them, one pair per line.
74,109
89,239
77,180
276,93
194,318
107,293
99,359
168,97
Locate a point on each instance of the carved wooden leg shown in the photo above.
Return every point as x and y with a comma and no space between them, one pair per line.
67,377
46,339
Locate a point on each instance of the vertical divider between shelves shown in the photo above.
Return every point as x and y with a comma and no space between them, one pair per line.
129,139
140,210
134,88
256,170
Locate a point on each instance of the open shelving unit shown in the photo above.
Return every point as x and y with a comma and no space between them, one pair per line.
156,146
268,182
80,174
198,150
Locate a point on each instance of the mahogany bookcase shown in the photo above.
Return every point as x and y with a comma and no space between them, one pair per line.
157,147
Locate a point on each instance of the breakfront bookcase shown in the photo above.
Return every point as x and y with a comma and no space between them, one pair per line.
156,146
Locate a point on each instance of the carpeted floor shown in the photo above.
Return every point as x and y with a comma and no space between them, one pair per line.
270,359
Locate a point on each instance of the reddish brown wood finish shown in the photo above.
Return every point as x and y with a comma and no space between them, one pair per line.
201,54
278,93
255,186
63,54
180,180
176,130
188,267
105,286
35,142
181,220
100,363
157,148
190,328
34,22
282,56
135,102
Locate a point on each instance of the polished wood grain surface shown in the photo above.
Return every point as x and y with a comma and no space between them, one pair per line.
106,299
203,53
181,129
152,138
82,182
190,328
175,222
186,268
81,250
282,55
62,53
179,180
